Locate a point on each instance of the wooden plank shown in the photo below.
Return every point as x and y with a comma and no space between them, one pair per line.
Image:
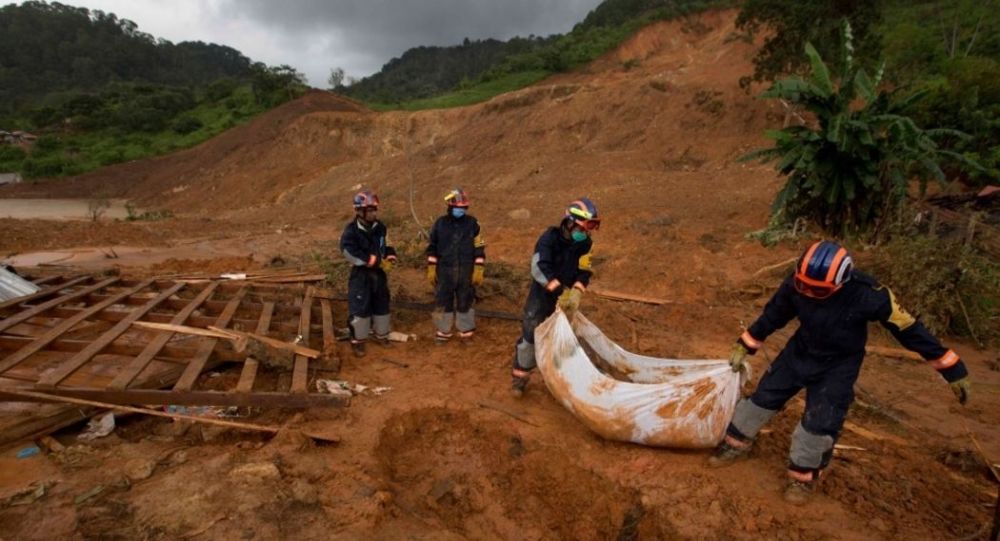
66,325
195,398
894,352
35,310
619,296
168,353
185,329
203,322
66,368
126,376
297,348
47,279
247,376
264,323
300,371
249,373
329,338
197,364
53,397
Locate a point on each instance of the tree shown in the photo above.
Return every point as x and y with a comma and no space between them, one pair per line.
852,170
791,25
336,79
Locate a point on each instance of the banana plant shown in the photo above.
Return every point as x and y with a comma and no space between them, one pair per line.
851,167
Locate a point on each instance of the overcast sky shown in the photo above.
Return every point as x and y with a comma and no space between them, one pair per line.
360,36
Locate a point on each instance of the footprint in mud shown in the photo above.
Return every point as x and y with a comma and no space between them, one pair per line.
481,481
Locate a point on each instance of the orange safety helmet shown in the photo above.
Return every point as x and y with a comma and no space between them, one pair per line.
365,199
823,269
457,198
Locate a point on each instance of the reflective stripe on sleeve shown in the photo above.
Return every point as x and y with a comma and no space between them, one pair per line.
945,361
750,340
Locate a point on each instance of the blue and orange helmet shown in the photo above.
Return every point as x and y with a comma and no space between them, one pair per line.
583,212
823,269
365,199
457,198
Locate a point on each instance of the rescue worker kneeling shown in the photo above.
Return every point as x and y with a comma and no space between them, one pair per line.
834,304
456,261
365,247
560,272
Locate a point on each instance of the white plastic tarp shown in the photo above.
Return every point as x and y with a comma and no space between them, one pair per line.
660,402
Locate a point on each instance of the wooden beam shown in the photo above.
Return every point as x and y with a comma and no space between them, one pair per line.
894,352
35,310
619,296
297,348
65,398
168,353
66,368
130,372
249,373
247,376
300,371
186,329
47,279
115,316
190,375
195,398
66,325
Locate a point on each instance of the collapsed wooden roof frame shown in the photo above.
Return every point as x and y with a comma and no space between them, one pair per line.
287,309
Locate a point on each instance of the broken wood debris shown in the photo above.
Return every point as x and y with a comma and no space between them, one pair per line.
145,411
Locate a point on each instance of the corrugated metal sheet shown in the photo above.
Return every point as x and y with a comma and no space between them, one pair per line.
13,286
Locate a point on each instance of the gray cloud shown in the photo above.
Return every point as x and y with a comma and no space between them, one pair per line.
359,36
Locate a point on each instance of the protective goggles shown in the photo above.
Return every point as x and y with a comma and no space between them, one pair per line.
813,290
588,225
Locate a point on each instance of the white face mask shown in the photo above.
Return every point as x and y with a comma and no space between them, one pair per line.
457,212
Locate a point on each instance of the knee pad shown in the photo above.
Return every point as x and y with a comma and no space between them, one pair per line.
749,418
466,321
809,450
442,321
525,356
360,327
381,324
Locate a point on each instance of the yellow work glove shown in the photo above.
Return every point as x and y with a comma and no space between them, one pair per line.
738,357
478,274
387,264
569,301
432,275
962,388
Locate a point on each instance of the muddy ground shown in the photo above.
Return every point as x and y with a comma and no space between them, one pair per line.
440,455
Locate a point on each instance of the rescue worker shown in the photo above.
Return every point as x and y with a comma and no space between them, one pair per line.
560,272
834,303
456,261
365,247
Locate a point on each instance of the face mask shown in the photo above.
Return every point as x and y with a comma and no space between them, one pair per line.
457,212
578,236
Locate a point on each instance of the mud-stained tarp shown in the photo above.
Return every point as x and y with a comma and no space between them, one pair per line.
647,400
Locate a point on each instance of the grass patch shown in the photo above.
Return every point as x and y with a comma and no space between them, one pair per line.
475,94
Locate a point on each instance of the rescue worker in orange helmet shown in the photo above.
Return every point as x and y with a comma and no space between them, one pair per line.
456,262
560,272
365,246
833,303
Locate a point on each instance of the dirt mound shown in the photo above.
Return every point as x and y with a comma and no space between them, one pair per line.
443,464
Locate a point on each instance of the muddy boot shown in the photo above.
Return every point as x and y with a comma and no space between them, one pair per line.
465,337
441,338
799,492
730,451
518,386
383,341
358,348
